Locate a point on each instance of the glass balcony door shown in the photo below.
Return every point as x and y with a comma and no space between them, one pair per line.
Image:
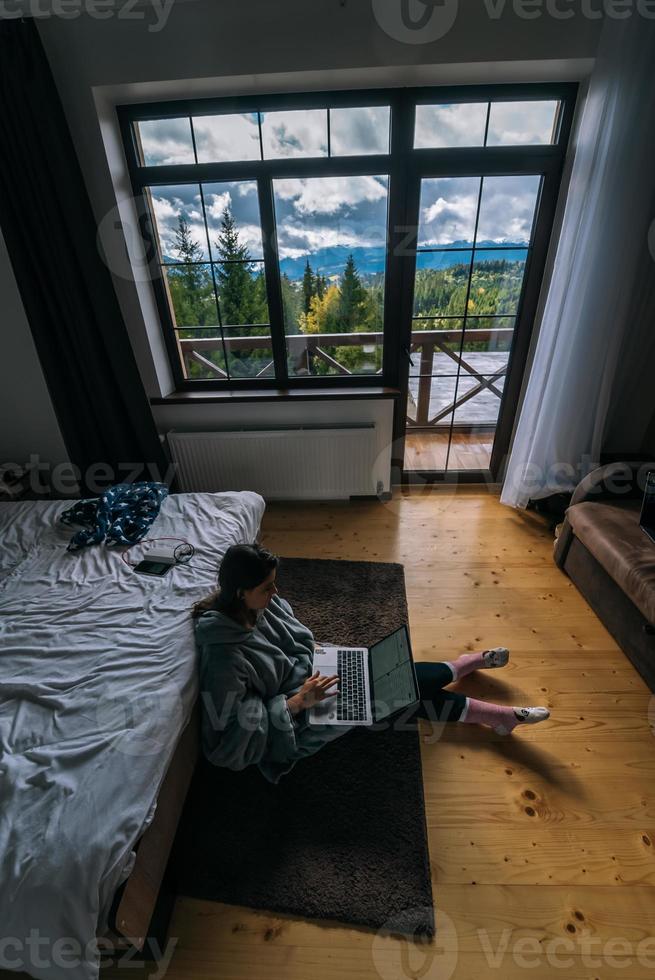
473,245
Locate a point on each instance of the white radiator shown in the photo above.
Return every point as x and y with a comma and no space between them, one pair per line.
295,463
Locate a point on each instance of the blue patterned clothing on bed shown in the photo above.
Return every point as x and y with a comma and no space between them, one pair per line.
122,515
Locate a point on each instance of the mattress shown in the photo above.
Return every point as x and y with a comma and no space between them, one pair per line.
98,678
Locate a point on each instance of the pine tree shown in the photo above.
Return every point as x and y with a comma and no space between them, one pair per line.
292,303
308,287
189,282
353,295
234,277
188,252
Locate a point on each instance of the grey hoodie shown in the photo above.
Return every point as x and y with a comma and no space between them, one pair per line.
246,676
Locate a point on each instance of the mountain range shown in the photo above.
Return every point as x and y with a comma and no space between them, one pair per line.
370,259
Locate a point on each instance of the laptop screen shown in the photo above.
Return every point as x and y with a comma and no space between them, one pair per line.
392,674
647,519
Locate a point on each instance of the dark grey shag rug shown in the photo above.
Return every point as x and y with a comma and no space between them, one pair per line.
342,837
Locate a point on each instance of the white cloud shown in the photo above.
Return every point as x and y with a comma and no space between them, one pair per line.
327,195
166,141
215,204
452,220
507,208
449,206
359,130
463,124
521,123
252,236
459,124
286,252
227,137
327,236
294,133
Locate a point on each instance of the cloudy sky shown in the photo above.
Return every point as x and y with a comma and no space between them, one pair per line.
294,133
322,212
449,204
463,124
304,133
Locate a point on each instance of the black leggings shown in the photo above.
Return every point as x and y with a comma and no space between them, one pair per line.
437,704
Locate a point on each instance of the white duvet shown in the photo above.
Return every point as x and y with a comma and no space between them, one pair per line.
97,682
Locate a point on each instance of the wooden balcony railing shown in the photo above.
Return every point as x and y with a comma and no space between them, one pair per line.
304,348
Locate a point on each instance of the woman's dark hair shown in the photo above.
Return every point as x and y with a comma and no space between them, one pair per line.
244,566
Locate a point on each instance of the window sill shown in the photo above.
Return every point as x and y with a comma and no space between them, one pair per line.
274,395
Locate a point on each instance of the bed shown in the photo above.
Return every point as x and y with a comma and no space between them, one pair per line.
97,689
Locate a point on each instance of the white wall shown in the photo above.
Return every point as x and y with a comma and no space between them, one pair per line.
209,417
28,425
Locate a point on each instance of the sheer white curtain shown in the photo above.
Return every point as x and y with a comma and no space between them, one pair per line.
604,234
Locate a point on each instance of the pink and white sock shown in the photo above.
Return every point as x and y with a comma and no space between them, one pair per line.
483,659
500,717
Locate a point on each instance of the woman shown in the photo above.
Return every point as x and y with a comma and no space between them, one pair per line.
257,680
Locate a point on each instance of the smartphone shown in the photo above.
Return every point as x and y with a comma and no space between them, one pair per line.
149,567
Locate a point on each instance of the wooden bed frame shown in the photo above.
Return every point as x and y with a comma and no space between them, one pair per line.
143,904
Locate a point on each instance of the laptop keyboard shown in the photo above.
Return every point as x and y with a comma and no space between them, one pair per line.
351,700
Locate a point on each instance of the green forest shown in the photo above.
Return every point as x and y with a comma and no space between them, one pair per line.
316,304
495,290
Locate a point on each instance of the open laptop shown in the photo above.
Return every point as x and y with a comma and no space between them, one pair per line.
647,517
374,684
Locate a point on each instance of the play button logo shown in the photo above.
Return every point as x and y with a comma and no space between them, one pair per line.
415,21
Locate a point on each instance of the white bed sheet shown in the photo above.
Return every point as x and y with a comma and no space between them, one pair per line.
98,677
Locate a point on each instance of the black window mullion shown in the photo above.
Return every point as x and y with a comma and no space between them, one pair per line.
193,139
486,124
401,238
211,266
404,189
261,140
464,318
273,279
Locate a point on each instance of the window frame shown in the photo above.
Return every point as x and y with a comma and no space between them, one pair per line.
405,167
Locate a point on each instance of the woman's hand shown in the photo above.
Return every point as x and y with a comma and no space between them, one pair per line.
315,689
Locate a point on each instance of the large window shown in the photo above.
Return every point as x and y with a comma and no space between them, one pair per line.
385,238
270,222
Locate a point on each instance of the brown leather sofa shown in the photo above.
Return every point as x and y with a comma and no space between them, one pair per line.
611,560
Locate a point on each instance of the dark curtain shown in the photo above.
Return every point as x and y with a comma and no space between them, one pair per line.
50,231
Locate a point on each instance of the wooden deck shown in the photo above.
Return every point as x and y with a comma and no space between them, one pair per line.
546,836
426,450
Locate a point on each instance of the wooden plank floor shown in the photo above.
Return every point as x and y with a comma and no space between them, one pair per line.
542,843
428,450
